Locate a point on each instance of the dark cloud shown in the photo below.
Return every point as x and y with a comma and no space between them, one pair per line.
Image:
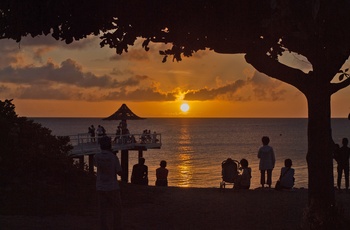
37,92
214,93
6,59
118,72
68,82
69,72
132,55
8,50
4,91
39,45
37,53
148,94
262,86
266,88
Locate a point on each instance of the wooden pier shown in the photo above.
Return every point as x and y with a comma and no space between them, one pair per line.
84,145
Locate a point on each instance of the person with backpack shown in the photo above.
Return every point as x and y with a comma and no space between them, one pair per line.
287,175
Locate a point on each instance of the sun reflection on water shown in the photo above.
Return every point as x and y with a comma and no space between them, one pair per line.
185,162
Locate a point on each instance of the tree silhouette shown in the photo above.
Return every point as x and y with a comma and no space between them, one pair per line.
261,29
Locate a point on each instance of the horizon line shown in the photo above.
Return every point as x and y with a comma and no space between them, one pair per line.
181,117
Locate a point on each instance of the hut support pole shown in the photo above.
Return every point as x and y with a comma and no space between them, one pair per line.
140,153
125,165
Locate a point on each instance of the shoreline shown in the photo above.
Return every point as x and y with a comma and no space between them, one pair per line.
150,207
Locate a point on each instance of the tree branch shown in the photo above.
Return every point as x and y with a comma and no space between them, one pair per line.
335,87
277,70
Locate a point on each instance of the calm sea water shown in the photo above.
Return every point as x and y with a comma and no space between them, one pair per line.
195,147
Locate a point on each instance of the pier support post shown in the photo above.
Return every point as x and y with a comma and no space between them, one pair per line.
91,163
81,162
125,165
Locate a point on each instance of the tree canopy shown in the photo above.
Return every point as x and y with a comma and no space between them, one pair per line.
264,26
262,29
35,166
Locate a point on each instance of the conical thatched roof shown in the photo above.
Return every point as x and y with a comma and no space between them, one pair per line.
123,113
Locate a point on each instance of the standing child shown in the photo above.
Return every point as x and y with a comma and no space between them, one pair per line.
267,161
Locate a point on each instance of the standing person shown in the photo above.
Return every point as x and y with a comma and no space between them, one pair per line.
139,173
162,174
267,161
342,157
287,175
99,132
107,186
117,134
92,133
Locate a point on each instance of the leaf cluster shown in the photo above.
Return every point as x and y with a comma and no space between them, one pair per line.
343,74
63,19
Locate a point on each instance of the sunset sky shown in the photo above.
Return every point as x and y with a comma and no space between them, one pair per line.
47,78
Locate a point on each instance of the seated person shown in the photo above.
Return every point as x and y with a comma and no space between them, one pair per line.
287,175
132,139
139,173
154,137
144,136
243,181
162,175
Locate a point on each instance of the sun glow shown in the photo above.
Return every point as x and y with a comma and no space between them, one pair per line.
184,107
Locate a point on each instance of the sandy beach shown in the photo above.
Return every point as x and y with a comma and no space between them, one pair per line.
187,208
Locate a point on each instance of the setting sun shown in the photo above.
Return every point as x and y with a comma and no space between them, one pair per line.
184,107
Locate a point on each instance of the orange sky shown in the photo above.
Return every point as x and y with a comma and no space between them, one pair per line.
47,78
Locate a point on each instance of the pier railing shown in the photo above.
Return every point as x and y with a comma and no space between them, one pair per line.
84,144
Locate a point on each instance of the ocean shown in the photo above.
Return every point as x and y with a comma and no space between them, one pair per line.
194,148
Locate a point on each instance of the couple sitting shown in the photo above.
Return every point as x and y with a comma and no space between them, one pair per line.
240,177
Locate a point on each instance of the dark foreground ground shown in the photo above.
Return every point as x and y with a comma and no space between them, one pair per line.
179,208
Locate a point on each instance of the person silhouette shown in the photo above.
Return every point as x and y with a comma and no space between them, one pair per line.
107,186
92,133
139,173
162,174
287,175
243,181
267,161
342,156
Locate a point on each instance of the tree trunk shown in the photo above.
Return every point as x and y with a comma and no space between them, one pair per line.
320,161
